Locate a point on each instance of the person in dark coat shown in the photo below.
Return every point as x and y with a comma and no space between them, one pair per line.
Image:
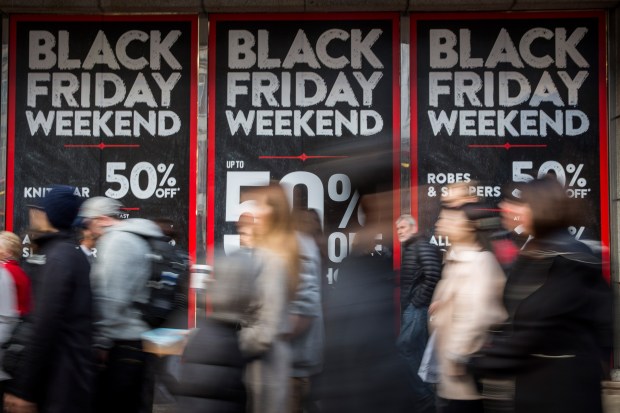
559,333
420,272
363,371
56,371
211,377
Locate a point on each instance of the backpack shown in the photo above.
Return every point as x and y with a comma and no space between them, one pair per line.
167,285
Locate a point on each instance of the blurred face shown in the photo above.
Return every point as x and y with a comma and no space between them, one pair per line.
455,225
88,239
516,217
245,235
262,215
98,225
458,195
38,220
405,230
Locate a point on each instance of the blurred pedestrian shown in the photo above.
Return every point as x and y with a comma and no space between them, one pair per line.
559,331
363,371
512,206
459,194
10,253
245,229
8,319
308,222
178,318
467,301
266,333
119,276
211,376
419,273
15,293
55,371
87,240
306,315
162,371
508,240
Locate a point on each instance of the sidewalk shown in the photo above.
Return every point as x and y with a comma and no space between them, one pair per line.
164,408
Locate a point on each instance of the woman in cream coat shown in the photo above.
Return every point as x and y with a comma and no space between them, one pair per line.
467,301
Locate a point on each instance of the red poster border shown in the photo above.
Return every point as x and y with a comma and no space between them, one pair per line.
215,18
602,104
193,115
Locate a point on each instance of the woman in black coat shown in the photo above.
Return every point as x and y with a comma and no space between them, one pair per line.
211,377
559,333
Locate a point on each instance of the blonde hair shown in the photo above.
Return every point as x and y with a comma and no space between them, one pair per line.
279,236
11,243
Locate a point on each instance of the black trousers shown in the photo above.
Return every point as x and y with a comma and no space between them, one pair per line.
2,385
124,384
459,406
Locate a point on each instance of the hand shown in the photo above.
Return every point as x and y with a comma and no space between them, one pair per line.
299,324
433,307
13,404
454,368
102,357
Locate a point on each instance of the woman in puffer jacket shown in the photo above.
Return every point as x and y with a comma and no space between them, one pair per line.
211,377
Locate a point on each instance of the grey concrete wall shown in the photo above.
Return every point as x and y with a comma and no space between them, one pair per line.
247,6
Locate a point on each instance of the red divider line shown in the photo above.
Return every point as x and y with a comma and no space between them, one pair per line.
102,146
302,157
509,146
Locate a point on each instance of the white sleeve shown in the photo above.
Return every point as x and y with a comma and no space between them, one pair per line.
478,306
8,305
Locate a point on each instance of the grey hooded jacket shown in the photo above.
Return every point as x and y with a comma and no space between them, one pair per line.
308,347
119,279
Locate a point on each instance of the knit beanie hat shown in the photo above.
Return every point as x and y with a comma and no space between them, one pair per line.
61,206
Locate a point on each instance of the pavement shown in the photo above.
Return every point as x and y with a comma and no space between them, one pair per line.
164,408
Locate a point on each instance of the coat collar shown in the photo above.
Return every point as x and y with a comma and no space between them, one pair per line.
458,253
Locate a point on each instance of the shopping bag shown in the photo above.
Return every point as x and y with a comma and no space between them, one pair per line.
429,367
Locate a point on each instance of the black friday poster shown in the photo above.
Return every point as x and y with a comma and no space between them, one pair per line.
499,98
106,104
288,91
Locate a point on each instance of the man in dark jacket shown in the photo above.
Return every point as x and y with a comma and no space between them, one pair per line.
363,372
420,271
55,374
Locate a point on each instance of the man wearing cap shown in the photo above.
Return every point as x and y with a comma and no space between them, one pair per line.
55,373
119,278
